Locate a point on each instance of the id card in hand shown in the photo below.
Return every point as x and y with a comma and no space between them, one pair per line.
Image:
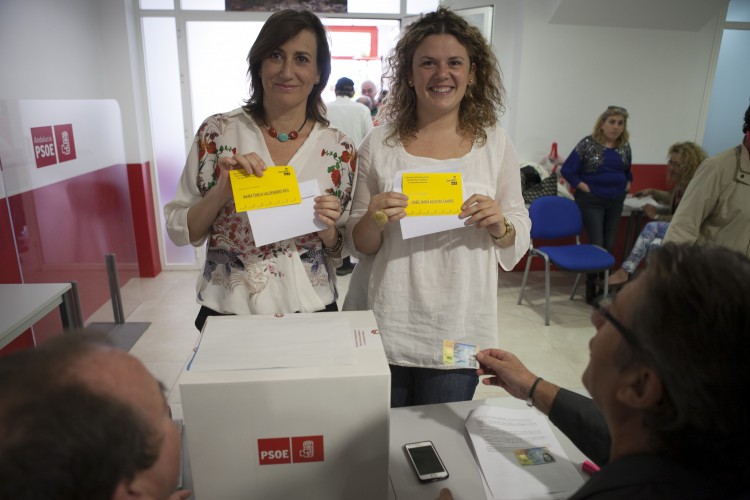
459,355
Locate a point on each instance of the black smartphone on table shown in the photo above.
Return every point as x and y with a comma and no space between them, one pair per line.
426,462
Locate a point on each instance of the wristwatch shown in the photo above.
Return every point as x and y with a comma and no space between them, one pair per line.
508,231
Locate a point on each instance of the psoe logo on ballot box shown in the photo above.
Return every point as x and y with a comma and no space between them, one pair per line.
298,449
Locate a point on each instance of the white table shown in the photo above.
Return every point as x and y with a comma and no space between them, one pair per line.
22,305
443,424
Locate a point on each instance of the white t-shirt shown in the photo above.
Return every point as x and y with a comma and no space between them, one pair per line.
351,117
441,286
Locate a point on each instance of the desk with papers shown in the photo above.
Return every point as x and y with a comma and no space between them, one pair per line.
444,425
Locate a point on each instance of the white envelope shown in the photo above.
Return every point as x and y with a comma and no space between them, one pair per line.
413,226
270,225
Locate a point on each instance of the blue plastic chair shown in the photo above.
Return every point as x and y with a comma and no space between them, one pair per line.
555,217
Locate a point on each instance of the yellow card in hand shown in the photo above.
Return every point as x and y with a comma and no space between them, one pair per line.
433,194
277,187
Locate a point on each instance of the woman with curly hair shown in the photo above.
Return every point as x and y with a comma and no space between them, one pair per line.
442,111
684,158
282,123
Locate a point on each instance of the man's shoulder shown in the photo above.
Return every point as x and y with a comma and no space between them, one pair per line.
719,166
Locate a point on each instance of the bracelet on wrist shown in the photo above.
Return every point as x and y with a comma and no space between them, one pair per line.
336,248
509,230
530,398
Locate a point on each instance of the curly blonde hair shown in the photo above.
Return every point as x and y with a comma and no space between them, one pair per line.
484,100
692,155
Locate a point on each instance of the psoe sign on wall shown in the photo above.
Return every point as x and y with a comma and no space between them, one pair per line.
53,147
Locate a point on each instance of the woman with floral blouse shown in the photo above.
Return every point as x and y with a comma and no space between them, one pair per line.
282,123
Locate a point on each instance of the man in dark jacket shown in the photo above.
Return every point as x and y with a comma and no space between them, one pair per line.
669,382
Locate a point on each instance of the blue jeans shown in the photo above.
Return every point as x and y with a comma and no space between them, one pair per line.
651,237
424,386
601,217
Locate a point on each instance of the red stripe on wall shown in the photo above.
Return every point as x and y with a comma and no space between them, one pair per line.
144,219
10,272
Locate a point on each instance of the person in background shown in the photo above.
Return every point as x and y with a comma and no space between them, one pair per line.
363,99
667,370
684,159
354,120
599,170
349,116
442,111
369,89
716,205
282,123
81,419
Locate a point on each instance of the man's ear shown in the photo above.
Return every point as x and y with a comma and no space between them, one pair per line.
640,388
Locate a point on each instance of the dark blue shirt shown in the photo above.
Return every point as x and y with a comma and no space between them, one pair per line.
605,170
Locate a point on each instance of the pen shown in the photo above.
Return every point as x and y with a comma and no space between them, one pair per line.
589,467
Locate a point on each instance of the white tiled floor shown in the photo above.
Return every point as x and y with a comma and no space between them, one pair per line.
558,352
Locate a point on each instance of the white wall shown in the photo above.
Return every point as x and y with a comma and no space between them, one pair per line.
51,49
570,74
74,49
560,77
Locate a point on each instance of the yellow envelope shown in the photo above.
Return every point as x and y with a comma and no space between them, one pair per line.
433,194
277,187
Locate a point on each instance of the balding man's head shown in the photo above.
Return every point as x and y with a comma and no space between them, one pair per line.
80,419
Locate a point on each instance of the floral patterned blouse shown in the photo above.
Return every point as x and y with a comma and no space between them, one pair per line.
239,277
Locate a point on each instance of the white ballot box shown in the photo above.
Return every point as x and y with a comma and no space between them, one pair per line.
288,406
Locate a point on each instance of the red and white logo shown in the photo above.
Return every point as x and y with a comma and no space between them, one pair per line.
307,449
66,145
299,449
274,451
44,146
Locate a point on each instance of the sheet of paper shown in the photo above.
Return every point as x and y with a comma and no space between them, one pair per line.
264,342
505,445
270,225
433,194
412,227
277,187
635,203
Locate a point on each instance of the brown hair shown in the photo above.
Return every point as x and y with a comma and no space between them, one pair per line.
481,103
281,27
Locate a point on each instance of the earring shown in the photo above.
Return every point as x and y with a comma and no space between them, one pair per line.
411,84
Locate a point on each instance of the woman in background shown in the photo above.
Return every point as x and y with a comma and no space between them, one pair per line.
282,123
684,158
441,111
599,169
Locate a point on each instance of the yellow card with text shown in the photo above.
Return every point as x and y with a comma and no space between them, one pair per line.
277,187
433,193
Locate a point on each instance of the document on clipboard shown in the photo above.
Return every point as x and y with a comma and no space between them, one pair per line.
519,456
